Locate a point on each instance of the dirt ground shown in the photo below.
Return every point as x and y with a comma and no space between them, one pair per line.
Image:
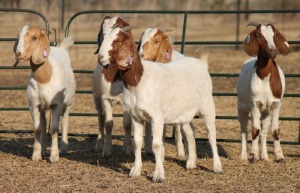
84,170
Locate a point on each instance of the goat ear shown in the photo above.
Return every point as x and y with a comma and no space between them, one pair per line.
250,45
165,51
41,50
100,37
281,43
139,44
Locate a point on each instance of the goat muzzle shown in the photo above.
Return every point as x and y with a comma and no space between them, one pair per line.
272,53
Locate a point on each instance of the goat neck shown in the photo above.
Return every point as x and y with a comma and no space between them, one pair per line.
111,73
266,66
41,72
132,76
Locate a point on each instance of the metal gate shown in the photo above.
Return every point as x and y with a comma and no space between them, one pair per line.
182,43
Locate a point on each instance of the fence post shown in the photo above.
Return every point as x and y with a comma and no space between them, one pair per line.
238,23
183,33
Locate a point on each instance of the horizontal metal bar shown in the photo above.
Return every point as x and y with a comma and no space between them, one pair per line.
187,42
90,92
121,115
122,137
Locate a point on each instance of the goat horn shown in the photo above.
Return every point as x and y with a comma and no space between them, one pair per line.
45,30
127,28
255,24
271,23
124,18
165,30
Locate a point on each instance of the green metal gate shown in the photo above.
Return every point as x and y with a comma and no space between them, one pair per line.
182,43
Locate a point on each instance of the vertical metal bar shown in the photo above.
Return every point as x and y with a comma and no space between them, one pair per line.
62,24
238,23
183,33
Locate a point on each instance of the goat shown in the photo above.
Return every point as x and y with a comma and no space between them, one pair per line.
260,89
158,94
51,86
107,90
155,46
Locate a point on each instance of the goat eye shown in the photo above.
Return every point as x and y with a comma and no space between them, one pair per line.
257,36
34,38
156,42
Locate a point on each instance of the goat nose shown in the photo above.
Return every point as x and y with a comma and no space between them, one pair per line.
100,57
18,55
273,53
142,55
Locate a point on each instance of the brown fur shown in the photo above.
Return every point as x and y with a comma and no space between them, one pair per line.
35,42
265,63
279,40
110,72
255,133
155,50
276,134
119,23
251,48
123,48
42,72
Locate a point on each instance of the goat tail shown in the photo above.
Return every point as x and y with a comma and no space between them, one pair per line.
202,55
66,43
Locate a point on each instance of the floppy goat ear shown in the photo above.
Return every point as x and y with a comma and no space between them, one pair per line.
99,39
281,43
165,51
41,50
250,44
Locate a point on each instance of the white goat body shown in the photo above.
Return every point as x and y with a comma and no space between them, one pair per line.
260,89
107,91
162,93
51,86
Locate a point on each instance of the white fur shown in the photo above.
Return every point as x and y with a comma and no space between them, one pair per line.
20,47
105,95
255,97
169,93
268,33
58,95
148,34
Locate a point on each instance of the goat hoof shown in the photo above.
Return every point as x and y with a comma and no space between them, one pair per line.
158,177
36,157
281,160
135,172
252,158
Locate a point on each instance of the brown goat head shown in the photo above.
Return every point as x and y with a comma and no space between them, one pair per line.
265,40
33,45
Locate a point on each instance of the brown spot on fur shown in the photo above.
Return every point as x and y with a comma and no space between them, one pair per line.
276,134
111,73
119,23
41,72
279,41
250,44
157,47
266,66
122,48
255,133
35,44
132,76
